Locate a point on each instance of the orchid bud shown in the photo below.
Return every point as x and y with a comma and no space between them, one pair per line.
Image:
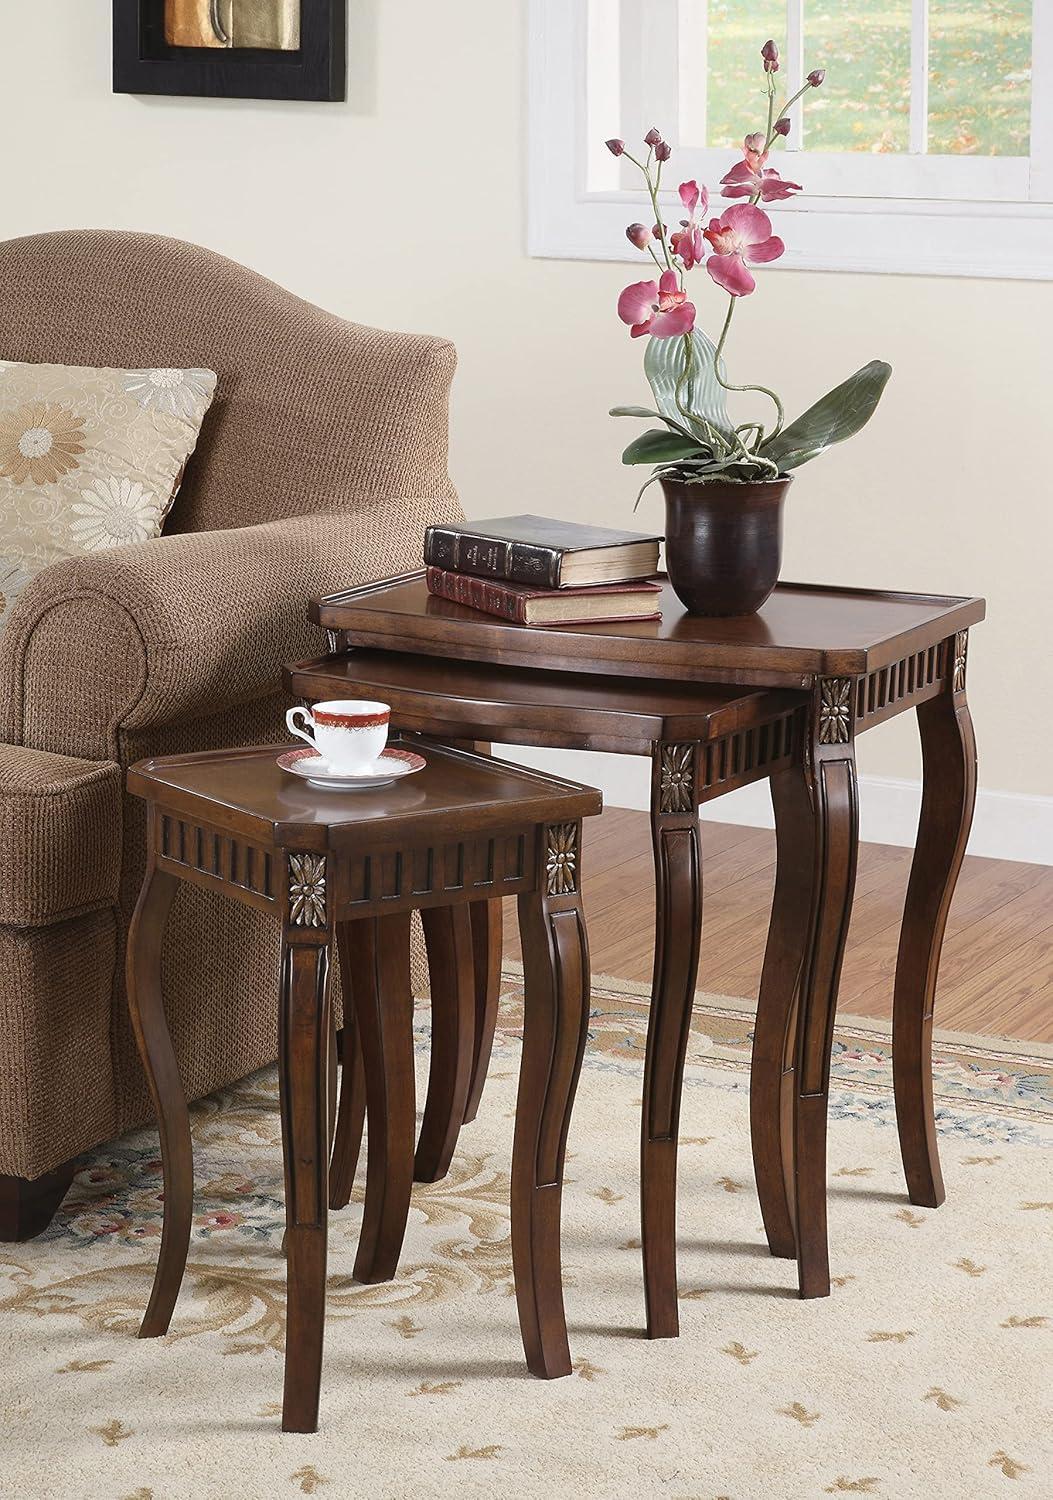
653,136
663,151
638,235
754,142
615,146
782,127
657,231
770,54
815,78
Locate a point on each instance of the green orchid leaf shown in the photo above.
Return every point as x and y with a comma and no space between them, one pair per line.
657,447
643,411
839,415
703,401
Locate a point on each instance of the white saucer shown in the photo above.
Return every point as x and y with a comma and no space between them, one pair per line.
390,766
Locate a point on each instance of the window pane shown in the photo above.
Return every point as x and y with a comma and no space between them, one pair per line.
980,77
736,101
864,45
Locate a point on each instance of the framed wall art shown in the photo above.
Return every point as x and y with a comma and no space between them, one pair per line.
234,49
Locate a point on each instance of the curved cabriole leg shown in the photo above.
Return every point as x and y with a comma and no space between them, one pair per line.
949,763
556,1015
352,1110
487,941
384,1017
303,1083
772,1086
678,933
334,1079
146,1008
448,937
831,770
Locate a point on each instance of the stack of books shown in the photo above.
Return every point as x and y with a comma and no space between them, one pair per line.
539,571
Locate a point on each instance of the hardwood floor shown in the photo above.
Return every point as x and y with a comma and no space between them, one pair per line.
996,977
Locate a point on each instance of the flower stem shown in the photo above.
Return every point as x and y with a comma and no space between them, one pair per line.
652,188
780,415
770,132
652,193
724,334
787,106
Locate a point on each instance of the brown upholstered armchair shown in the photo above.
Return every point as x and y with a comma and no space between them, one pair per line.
320,463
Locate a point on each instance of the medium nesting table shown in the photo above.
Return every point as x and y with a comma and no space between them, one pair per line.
683,690
354,865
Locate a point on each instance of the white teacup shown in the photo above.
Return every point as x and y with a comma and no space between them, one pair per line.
348,734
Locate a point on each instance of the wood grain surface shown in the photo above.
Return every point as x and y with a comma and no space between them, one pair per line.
996,975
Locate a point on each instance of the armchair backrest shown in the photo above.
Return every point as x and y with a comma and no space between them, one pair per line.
312,413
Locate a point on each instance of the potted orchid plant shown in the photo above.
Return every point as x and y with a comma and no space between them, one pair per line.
724,482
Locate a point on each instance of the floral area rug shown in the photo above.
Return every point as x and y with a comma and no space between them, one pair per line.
927,1373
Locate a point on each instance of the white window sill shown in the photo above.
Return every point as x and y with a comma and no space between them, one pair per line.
868,235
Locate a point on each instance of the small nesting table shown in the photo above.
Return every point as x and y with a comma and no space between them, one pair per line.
353,866
841,661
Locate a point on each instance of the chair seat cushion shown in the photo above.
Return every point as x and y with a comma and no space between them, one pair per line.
60,836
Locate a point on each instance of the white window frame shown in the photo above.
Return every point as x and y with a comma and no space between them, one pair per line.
596,70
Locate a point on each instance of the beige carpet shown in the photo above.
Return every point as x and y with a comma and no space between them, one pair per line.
926,1374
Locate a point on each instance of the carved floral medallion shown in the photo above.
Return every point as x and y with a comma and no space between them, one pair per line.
676,785
561,858
835,710
307,890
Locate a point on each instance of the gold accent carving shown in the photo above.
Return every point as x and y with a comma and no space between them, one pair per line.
676,793
961,655
561,858
835,710
307,890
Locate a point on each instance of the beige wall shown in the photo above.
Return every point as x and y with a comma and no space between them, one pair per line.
405,207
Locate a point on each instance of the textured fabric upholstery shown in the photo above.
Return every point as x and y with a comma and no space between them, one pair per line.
58,817
58,1089
198,623
320,464
311,413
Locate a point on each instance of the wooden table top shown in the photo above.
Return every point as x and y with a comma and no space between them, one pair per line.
247,792
803,631
474,699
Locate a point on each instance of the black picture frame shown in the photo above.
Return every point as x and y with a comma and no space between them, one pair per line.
143,62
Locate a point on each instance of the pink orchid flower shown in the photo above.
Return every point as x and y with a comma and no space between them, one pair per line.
658,308
740,237
753,150
688,240
743,181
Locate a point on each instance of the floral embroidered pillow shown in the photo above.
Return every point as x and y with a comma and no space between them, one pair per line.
89,459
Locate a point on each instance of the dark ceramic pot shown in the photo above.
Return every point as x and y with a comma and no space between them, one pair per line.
723,543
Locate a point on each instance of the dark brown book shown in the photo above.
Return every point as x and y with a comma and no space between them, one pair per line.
527,606
542,552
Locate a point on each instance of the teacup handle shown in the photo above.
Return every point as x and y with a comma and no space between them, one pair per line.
293,728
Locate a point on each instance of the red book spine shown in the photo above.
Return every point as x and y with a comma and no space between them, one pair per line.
479,593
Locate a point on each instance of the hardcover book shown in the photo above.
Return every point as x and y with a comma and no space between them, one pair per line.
540,551
566,606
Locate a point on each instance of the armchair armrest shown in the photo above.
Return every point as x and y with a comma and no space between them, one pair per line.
171,630
60,827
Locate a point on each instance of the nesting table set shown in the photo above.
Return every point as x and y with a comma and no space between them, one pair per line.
716,704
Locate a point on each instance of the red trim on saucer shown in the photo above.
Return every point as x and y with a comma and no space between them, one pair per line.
350,721
409,757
